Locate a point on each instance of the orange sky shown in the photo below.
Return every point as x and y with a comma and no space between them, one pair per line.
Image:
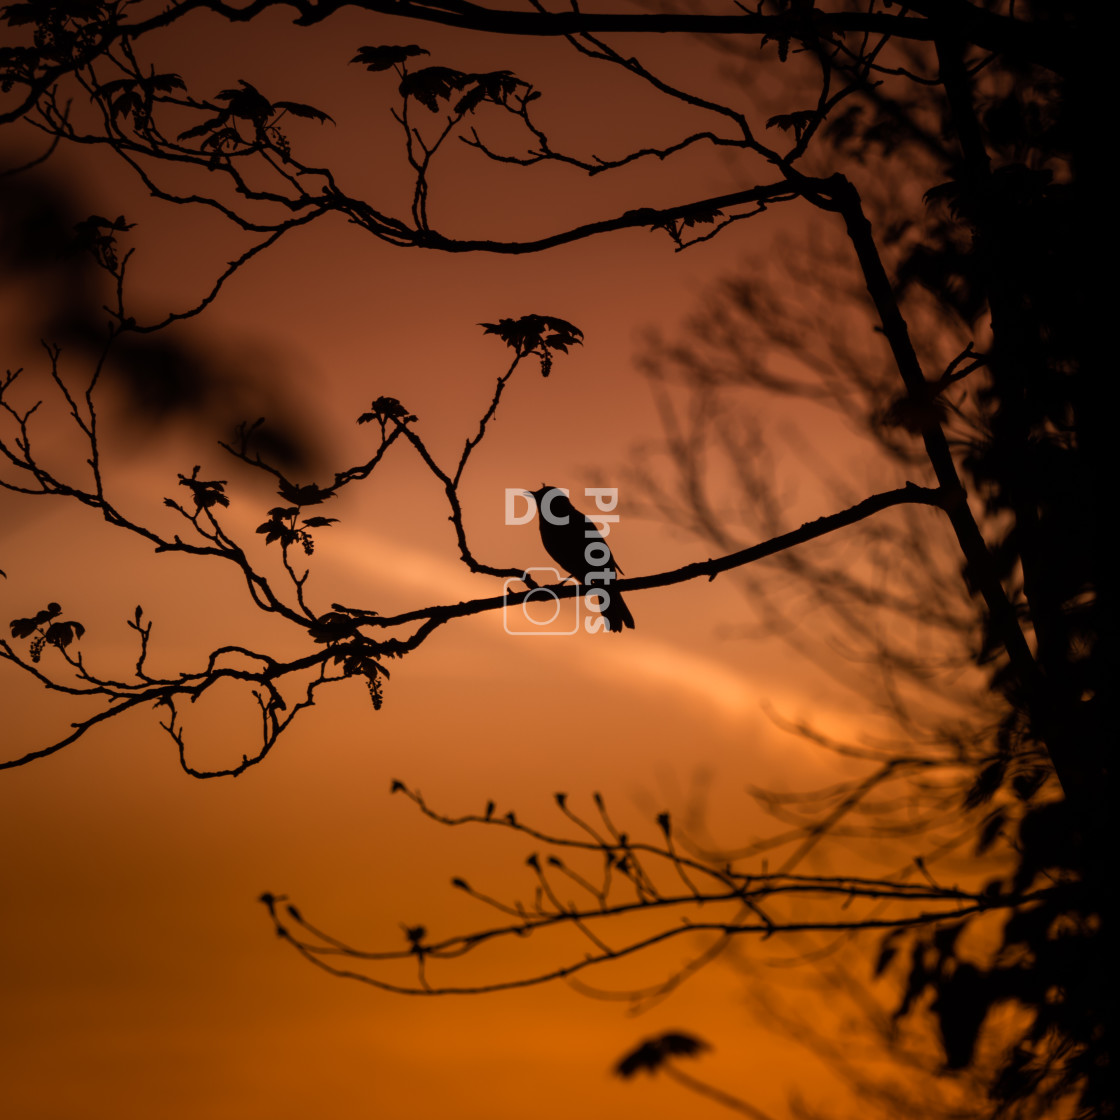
140,977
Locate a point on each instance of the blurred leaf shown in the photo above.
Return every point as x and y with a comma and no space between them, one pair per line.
654,1052
991,829
888,950
962,1003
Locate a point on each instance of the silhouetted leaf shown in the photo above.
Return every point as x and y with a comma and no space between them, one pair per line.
332,627
385,409
205,127
382,58
700,214
61,634
528,333
298,109
205,494
798,122
23,627
164,83
309,495
114,89
277,529
496,86
433,84
357,654
129,104
221,138
247,103
132,97
470,100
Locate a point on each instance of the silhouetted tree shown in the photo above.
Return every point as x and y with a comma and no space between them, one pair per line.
996,95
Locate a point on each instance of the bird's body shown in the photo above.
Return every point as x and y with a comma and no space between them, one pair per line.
577,546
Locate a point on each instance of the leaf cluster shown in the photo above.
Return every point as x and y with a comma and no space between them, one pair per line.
282,526
536,334
796,122
205,493
382,58
434,84
60,634
248,104
66,32
134,97
386,411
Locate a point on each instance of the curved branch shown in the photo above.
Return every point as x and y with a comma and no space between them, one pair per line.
910,494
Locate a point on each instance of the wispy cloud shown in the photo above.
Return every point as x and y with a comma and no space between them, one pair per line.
627,659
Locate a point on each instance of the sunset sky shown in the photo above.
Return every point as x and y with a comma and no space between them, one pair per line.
140,977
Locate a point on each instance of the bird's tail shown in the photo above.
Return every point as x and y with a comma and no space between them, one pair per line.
617,614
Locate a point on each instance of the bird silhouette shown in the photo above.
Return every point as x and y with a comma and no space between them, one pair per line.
572,540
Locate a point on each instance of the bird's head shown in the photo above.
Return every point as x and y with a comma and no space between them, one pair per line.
538,495
553,504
